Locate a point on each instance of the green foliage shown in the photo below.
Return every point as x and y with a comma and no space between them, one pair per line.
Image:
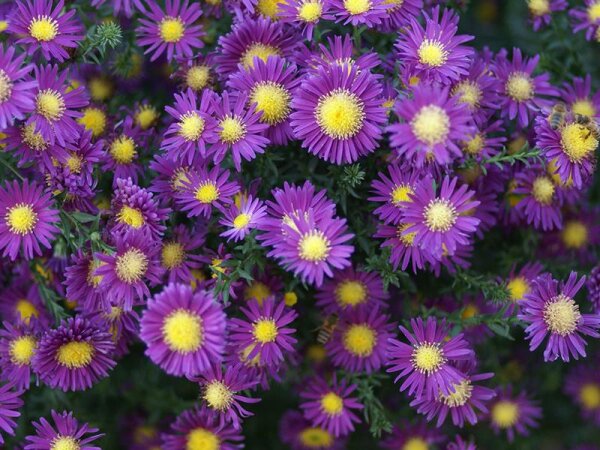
374,412
98,40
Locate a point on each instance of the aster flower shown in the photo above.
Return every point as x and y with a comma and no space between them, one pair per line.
541,10
240,220
305,14
170,177
176,253
252,38
66,433
75,172
300,434
515,414
578,238
269,85
123,150
399,14
482,144
582,385
15,93
350,288
56,106
433,125
338,113
340,51
330,407
460,444
359,12
440,220
204,189
541,199
145,116
74,356
221,393
393,192
264,334
20,302
478,89
184,331
409,436
578,97
521,90
195,74
360,342
403,248
198,428
18,345
550,309
10,403
587,19
172,30
40,26
124,273
239,130
27,219
28,145
193,129
428,363
122,325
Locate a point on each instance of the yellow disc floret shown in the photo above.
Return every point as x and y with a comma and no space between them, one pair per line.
21,219
172,255
577,142
432,53
232,129
310,11
561,315
351,293
505,414
520,87
542,190
207,192
317,438
50,104
401,194
26,310
217,395
202,439
359,340
459,395
332,404
355,7
5,86
94,120
22,349
431,125
440,215
43,28
314,246
574,234
197,77
191,126
265,331
131,216
340,114
131,266
589,394
123,149
468,92
415,443
171,29
64,443
273,100
427,358
75,354
518,287
182,331
539,7
258,50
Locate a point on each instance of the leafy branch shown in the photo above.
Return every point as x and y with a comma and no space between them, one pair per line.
374,412
98,40
525,156
491,289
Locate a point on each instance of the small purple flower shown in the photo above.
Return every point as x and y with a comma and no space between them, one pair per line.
587,19
393,192
20,302
399,14
82,284
184,331
176,253
10,403
330,407
170,177
541,10
240,220
358,12
428,363
66,433
123,150
515,414
172,30
550,309
541,199
74,356
403,248
16,97
27,220
300,434
39,26
408,436
578,97
18,345
582,385
305,14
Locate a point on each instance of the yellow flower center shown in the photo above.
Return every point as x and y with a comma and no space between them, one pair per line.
241,221
332,404
172,255
594,11
92,279
310,11
350,293
75,355
505,414
5,86
201,439
408,238
22,349
590,396
217,395
314,437
3,25
440,215
340,114
543,190
518,287
94,120
401,194
74,163
539,7
432,53
21,219
182,331
191,126
475,144
131,266
258,50
583,107
269,8
552,171
197,77
207,192
123,149
520,87
258,291
265,330
146,116
64,443
25,309
171,29
461,394
232,130
427,358
431,124
43,28
314,246
33,139
355,7
561,315
131,216
360,340
50,104
273,100
574,234
101,88
577,142
468,92
415,443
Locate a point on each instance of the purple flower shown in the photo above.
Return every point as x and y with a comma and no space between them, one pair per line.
360,342
579,98
408,436
339,51
582,385
394,191
550,309
305,14
519,283
338,113
330,407
173,30
541,10
27,219
515,414
170,177
10,402
460,444
241,219
16,97
184,331
400,13
587,19
359,12
123,150
541,199
40,27
403,248
199,428
300,434
440,221
264,335
66,433
29,145
433,125
82,284
176,253
186,139
74,356
18,345
428,363
21,302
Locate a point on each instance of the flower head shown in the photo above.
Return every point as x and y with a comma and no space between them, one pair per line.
514,414
66,434
15,92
